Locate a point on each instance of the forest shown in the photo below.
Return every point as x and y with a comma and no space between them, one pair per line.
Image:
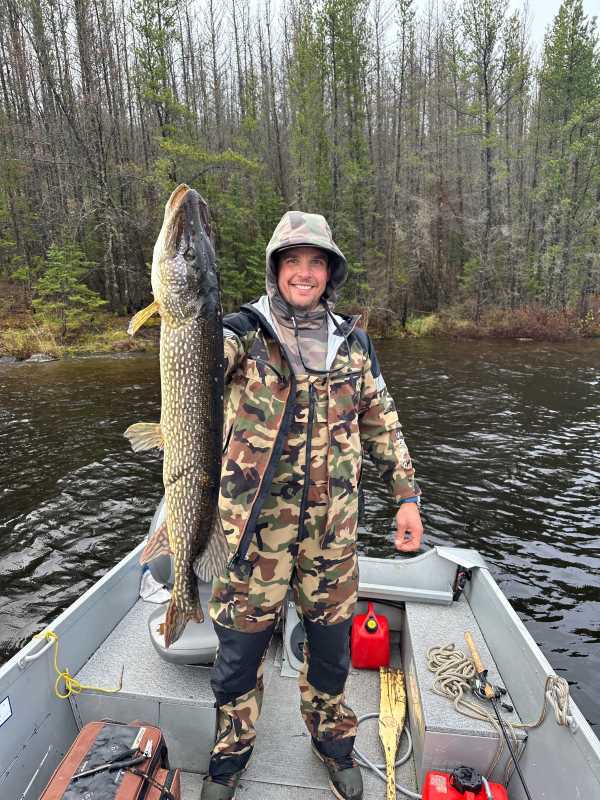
456,161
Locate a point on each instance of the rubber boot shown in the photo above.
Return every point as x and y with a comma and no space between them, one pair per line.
345,779
211,790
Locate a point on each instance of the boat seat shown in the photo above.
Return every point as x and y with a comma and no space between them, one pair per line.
437,728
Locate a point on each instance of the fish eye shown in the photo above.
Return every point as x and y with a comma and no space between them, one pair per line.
190,253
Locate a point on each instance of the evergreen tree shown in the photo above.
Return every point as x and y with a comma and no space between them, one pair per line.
448,170
495,76
62,299
310,118
567,267
346,34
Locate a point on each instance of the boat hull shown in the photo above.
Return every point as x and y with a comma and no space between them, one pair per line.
557,763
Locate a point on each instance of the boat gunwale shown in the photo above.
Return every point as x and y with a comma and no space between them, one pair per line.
488,604
71,615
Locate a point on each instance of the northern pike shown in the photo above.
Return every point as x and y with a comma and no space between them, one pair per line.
185,285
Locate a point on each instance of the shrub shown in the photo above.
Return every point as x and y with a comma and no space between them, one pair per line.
427,325
23,342
527,322
62,299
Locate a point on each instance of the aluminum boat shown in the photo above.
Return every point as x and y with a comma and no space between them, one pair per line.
106,634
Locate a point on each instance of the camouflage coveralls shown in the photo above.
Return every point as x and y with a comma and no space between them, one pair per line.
281,527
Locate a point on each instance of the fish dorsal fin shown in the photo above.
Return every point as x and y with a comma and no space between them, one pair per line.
212,560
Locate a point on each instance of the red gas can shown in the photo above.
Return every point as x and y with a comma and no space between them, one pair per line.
370,640
443,786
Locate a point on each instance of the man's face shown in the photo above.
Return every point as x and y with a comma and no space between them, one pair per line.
302,276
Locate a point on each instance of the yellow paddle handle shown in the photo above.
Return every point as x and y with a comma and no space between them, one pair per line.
479,668
474,654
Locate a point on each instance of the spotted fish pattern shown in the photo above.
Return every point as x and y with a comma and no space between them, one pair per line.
185,285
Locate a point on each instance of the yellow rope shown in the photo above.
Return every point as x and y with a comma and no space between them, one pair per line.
72,685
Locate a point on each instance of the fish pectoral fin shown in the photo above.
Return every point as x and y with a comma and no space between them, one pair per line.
157,545
176,619
145,436
215,555
141,318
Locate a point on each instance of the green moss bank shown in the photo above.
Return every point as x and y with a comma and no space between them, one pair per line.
22,335
531,322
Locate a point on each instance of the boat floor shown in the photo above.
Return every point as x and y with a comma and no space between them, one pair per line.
40,728
180,700
283,765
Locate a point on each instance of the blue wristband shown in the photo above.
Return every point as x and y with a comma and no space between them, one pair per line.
415,499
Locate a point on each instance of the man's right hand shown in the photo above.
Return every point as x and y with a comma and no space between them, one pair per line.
409,528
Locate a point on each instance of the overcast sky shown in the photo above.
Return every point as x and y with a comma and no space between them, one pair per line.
542,13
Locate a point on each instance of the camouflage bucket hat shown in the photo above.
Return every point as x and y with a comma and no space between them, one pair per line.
297,228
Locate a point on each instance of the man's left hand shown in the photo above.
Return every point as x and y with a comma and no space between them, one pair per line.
409,528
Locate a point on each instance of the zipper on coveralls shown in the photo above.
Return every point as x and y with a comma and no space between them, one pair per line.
239,562
309,429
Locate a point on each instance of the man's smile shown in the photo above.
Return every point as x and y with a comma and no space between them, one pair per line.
302,276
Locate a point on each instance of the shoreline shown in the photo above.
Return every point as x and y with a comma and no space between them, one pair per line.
528,323
31,341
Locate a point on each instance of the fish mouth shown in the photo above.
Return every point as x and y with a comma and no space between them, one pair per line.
187,219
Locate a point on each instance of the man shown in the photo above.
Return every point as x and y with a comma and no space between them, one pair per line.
305,397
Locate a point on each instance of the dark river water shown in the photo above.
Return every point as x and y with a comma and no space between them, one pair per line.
505,438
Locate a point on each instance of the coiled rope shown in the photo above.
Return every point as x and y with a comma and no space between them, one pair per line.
71,684
556,694
453,674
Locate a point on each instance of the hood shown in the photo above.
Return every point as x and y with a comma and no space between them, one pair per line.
299,228
339,326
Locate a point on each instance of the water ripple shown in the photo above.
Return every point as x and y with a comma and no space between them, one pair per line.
506,452
505,438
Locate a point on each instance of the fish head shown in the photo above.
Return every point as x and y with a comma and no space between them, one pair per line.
184,274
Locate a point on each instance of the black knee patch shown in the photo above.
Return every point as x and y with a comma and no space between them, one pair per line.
329,655
223,766
238,659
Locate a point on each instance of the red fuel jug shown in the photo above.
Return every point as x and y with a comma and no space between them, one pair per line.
370,640
444,786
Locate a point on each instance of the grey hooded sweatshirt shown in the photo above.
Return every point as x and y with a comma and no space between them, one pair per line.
304,334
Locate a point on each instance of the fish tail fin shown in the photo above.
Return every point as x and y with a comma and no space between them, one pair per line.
141,318
215,555
176,619
145,436
157,545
